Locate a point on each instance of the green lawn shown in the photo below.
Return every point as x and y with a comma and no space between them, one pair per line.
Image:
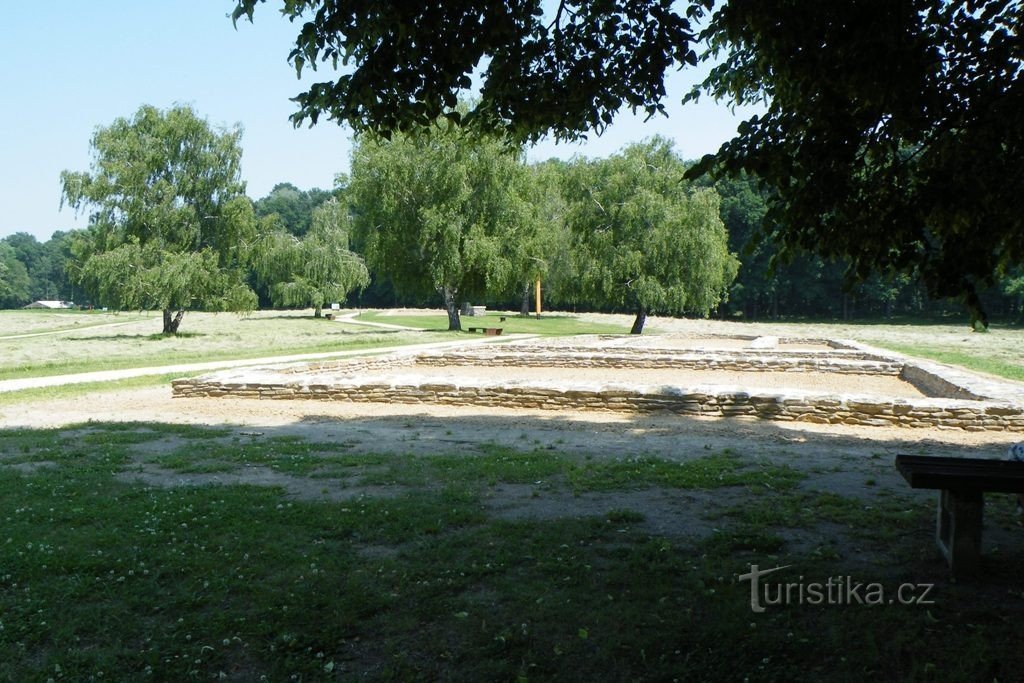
554,324
411,573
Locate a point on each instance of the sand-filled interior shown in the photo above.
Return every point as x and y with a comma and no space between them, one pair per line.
832,383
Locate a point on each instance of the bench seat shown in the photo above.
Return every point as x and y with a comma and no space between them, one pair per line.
962,483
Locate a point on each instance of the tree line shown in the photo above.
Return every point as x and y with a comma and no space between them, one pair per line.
440,216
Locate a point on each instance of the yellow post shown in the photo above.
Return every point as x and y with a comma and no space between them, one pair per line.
538,297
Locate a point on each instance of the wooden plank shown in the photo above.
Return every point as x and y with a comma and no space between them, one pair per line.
961,474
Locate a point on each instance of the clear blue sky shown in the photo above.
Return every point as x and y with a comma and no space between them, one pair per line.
70,66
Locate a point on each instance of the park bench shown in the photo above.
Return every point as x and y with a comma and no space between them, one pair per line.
962,483
492,331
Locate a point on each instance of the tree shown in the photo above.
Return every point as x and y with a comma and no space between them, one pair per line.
644,240
14,280
294,206
315,269
413,60
892,138
540,246
893,131
35,258
438,211
171,224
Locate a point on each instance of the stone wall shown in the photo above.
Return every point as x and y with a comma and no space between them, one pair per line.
964,401
792,406
719,360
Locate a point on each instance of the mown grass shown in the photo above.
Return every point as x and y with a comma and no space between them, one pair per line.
554,324
36,321
204,337
102,578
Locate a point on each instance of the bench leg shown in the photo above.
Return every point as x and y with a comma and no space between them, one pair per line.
958,531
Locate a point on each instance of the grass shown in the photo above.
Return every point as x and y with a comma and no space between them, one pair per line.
205,337
554,324
423,580
970,360
35,321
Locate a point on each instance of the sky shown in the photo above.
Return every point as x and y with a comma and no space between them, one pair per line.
71,66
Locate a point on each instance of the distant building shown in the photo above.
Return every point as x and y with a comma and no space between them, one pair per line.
51,304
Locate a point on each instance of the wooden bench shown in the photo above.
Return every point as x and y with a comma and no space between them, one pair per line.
962,483
492,331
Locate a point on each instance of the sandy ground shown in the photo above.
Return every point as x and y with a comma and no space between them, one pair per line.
422,427
833,383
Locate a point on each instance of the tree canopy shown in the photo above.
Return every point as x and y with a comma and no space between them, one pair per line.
411,61
440,210
14,280
170,223
644,241
313,270
893,133
293,206
892,138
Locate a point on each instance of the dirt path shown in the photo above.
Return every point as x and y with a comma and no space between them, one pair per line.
350,318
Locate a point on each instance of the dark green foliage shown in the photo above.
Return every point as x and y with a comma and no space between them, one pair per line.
893,134
568,72
891,142
14,279
293,206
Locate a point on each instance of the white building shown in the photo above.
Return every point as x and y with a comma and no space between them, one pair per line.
51,304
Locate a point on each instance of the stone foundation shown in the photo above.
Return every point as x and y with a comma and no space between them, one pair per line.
955,399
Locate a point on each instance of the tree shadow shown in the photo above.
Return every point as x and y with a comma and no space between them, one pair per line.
159,336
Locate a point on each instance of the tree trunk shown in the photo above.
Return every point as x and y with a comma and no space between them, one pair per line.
171,322
524,307
452,306
638,324
316,313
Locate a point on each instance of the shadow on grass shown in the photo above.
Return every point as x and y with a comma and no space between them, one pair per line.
950,320
421,574
159,336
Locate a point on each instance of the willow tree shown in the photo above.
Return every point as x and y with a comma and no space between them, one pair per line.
170,223
440,210
642,238
313,270
892,137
